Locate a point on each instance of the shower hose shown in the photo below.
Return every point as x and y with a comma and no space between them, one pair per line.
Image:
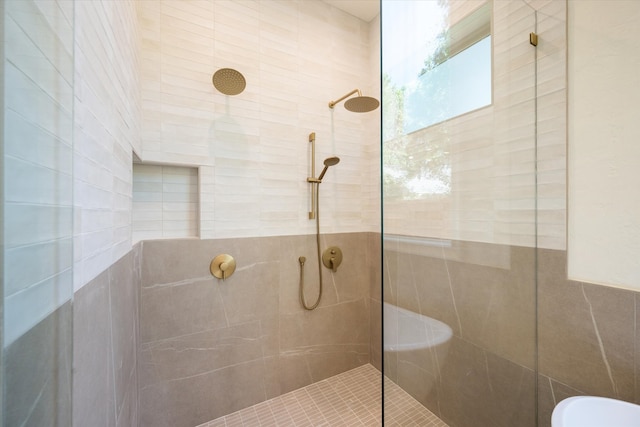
302,259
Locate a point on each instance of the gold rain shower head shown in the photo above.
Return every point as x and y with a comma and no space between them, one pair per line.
359,104
229,81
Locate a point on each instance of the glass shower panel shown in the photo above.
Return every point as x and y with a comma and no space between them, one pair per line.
37,205
459,211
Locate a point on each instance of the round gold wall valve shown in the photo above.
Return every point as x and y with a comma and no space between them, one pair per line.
223,266
332,258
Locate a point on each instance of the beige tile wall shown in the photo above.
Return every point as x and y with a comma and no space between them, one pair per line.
165,202
37,211
507,160
252,149
106,120
37,153
603,130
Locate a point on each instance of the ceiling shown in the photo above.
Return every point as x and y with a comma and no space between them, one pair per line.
363,9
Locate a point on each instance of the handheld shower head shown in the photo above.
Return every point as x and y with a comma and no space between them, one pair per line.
331,161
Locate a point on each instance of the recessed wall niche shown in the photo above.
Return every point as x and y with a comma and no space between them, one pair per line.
165,202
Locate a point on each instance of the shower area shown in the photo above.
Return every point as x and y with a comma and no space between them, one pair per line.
169,259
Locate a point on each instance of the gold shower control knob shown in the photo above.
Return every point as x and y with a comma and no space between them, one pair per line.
332,258
223,266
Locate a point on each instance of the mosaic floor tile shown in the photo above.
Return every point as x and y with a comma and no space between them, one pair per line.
345,400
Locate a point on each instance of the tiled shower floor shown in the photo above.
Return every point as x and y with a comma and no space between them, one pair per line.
349,399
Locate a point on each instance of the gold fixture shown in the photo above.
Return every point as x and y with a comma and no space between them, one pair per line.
303,302
229,81
533,39
315,213
312,140
330,161
359,104
332,258
223,266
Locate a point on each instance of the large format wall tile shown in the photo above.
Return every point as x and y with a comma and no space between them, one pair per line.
93,378
588,340
550,393
487,301
188,355
105,350
586,332
496,306
210,347
197,330
480,389
375,329
484,376
37,373
123,303
191,400
325,342
257,350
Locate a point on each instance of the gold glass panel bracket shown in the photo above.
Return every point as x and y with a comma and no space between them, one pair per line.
533,39
223,266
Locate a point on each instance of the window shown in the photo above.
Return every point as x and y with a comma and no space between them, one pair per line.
435,73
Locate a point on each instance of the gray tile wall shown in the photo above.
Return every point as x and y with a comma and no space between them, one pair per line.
587,334
211,347
37,374
105,344
588,338
486,294
374,244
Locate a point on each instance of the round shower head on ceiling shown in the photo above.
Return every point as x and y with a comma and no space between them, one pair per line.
331,161
229,81
361,104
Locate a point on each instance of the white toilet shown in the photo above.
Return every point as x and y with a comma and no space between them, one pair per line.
592,411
